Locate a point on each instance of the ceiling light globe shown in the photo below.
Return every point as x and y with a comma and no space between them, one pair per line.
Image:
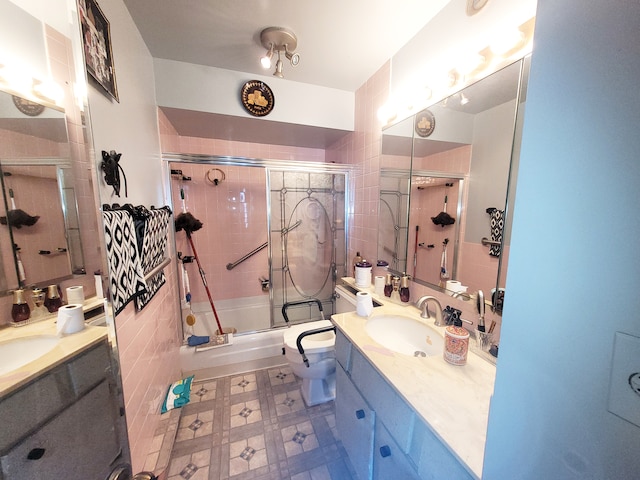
265,62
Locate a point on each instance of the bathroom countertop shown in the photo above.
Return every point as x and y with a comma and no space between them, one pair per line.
452,400
67,347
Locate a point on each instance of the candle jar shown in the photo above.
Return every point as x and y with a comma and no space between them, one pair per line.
20,310
53,301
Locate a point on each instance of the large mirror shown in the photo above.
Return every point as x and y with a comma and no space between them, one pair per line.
39,227
447,176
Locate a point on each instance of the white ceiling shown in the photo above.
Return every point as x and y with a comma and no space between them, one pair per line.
341,43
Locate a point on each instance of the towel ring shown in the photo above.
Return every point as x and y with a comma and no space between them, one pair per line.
216,180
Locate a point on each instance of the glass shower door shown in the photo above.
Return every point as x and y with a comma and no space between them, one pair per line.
307,242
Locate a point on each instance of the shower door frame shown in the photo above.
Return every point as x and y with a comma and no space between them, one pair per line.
339,268
274,164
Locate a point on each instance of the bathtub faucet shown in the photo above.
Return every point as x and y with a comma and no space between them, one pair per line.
265,284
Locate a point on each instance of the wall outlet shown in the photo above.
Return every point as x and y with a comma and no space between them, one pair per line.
624,389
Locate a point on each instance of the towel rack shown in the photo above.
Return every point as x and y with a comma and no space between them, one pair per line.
157,269
490,243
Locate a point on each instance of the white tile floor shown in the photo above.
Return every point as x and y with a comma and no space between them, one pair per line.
254,426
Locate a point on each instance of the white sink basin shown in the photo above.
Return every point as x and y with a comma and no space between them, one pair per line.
405,335
20,351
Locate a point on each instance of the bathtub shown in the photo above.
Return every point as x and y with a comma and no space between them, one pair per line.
248,351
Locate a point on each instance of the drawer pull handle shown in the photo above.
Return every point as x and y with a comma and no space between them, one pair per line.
385,451
360,414
35,454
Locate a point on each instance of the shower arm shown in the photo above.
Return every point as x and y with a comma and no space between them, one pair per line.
283,232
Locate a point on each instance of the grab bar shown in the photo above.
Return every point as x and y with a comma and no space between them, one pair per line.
231,266
157,269
301,302
284,231
306,334
486,242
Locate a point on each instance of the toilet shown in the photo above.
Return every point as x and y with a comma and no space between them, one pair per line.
319,377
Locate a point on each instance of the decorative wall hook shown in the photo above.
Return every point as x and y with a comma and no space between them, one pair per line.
111,167
215,176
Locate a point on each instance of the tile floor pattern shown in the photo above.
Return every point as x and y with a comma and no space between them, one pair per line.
256,426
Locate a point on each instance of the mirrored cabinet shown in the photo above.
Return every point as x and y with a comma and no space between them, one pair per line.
447,181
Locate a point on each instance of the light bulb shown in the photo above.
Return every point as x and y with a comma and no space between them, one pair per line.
266,59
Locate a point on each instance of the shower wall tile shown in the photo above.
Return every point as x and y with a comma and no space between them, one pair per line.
234,215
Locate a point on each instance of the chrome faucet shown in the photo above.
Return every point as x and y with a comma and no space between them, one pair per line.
423,305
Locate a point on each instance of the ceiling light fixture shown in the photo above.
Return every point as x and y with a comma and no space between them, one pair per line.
463,99
279,39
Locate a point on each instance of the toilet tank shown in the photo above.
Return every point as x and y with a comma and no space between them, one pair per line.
345,299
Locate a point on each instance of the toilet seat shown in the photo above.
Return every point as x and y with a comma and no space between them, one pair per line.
321,342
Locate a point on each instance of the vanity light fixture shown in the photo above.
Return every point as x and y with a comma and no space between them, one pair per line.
506,41
280,40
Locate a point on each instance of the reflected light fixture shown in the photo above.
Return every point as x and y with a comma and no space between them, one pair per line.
280,40
463,99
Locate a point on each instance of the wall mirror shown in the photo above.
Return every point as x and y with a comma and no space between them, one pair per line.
446,181
39,227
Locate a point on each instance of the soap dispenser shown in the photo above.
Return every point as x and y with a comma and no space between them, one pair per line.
388,285
53,301
456,343
20,310
404,289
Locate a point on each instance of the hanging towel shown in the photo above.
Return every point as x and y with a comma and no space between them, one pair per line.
127,275
497,227
154,242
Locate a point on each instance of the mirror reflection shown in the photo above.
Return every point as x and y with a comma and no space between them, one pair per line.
444,186
39,227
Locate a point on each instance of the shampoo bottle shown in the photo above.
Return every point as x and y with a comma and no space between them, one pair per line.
456,343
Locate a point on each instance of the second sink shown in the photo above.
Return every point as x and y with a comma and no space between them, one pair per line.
20,351
404,335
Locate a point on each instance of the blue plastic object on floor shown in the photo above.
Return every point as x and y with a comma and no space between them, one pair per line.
195,340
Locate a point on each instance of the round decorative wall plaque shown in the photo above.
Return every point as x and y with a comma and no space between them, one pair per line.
425,123
474,6
257,98
27,107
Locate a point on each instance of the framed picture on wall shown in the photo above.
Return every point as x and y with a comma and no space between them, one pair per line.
96,40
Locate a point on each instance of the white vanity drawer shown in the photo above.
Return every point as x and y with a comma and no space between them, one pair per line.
394,412
76,445
26,409
388,459
355,422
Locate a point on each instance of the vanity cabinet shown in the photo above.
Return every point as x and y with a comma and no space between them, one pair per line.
382,434
64,424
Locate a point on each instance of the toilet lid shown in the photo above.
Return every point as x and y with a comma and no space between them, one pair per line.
325,340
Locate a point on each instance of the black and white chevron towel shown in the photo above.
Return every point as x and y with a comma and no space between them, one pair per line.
125,267
154,243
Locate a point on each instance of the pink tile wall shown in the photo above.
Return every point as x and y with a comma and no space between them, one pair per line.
363,149
148,350
234,217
